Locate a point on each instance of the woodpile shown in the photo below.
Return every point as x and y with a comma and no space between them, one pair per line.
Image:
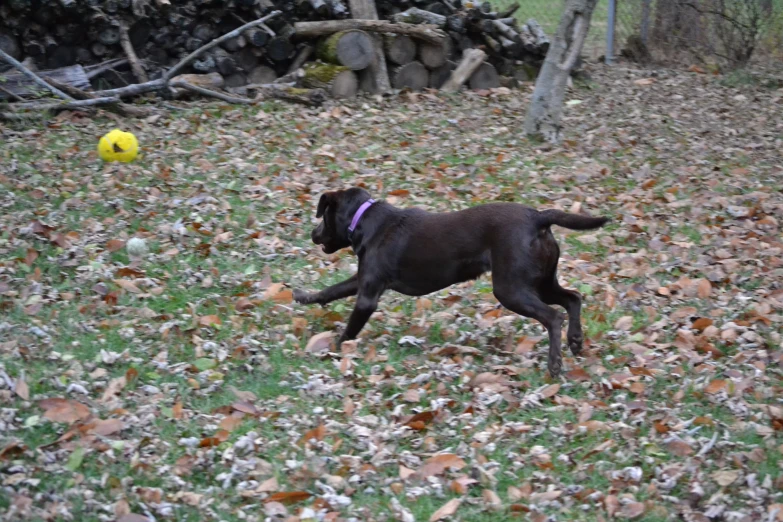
121,48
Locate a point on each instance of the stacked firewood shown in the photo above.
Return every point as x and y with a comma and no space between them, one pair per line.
108,44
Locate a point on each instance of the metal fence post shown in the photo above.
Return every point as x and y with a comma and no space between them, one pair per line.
609,57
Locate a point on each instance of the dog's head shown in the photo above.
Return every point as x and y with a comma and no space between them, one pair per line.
337,210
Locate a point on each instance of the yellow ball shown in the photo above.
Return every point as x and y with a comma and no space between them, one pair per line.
118,146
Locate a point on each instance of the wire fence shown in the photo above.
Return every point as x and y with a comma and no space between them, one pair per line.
729,31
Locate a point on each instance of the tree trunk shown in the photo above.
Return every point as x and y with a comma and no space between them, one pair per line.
412,75
352,48
337,80
376,77
546,106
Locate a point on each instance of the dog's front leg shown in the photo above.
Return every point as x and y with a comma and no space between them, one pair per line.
366,304
346,288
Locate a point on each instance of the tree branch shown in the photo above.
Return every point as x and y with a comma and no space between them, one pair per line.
35,106
127,46
209,92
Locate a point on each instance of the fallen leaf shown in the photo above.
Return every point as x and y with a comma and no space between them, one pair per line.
578,375
21,389
230,423
612,504
703,288
127,285
288,497
461,485
726,477
550,391
107,427
632,510
715,386
318,433
114,245
133,517
268,486
624,323
320,343
115,387
492,498
209,320
64,410
446,510
438,464
680,448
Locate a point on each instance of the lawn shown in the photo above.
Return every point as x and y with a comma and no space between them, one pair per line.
186,385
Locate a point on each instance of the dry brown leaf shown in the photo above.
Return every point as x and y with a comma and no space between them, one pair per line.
115,386
578,375
406,473
612,504
438,464
21,388
726,477
318,433
461,485
593,426
268,486
133,517
632,510
114,245
288,497
446,510
526,345
411,395
680,448
492,499
64,410
177,410
209,320
715,386
704,288
624,323
127,285
244,304
320,343
550,391
107,427
230,423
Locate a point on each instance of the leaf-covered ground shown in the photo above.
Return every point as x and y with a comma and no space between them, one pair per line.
185,385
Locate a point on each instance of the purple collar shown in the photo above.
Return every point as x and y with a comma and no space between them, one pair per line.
359,213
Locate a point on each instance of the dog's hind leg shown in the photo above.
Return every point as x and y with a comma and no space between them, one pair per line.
553,293
347,288
525,302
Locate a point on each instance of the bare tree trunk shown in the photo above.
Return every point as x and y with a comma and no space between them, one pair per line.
546,107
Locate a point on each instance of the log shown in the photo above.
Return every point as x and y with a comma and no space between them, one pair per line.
413,76
301,57
457,23
224,62
262,75
484,77
540,39
353,49
338,8
109,36
471,60
509,11
280,49
375,78
257,37
23,85
246,59
234,44
337,80
440,75
238,79
400,49
319,7
432,55
315,29
438,8
10,45
414,15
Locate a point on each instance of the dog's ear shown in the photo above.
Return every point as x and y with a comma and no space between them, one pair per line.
324,202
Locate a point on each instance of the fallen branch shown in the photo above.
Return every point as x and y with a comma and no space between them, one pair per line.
120,108
209,92
30,74
428,33
127,46
309,97
96,70
75,104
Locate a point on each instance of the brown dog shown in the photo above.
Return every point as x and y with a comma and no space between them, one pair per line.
415,252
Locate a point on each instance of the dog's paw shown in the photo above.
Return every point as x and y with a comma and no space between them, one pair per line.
575,344
302,297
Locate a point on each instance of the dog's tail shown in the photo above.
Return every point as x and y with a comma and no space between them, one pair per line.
547,218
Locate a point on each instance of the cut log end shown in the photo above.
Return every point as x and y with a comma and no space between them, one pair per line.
400,49
337,80
413,76
353,49
485,77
